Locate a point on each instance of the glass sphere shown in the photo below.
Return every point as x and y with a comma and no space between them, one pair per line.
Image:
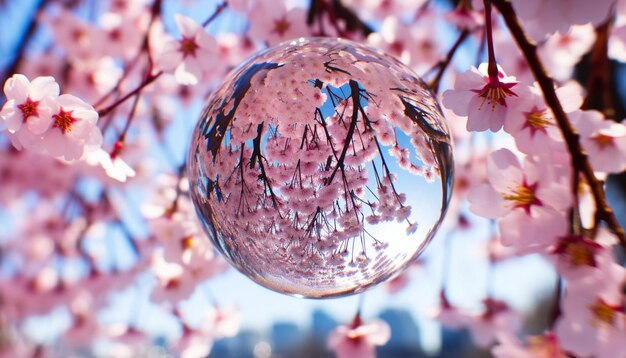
321,167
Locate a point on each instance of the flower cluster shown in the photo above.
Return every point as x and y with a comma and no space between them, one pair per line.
37,117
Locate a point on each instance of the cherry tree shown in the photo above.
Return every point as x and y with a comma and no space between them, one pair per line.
95,199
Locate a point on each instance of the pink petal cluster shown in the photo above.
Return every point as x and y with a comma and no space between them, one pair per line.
37,117
484,100
192,57
604,140
542,18
528,202
359,340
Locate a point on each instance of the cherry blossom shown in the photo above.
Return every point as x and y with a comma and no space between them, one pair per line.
604,140
518,194
531,122
359,339
449,315
481,98
593,323
189,57
497,317
540,20
273,22
29,108
73,130
561,52
412,45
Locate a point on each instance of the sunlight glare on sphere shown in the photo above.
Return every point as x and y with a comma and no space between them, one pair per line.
321,167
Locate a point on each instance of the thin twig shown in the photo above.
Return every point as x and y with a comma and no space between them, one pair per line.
445,62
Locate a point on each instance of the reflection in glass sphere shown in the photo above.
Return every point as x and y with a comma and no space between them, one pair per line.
321,167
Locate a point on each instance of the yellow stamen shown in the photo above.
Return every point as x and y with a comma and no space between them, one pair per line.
539,120
522,196
603,312
63,121
28,108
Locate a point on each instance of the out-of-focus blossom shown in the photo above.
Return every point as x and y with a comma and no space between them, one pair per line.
561,52
603,139
191,57
497,318
593,323
271,22
542,18
359,340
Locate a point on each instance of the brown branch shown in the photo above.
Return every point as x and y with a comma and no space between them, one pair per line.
445,62
579,158
149,79
216,13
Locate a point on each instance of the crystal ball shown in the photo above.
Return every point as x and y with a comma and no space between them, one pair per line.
321,167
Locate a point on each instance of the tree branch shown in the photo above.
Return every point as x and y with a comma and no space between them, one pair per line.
579,158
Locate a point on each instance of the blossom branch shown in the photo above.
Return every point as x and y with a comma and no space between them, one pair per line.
218,10
445,62
579,158
149,79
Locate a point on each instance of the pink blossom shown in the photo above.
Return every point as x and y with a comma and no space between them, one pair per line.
542,18
561,52
603,139
588,265
497,318
193,343
73,130
94,78
532,123
593,323
528,200
465,18
272,22
79,39
412,45
481,98
122,33
381,9
221,321
29,108
449,315
190,57
114,166
359,340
